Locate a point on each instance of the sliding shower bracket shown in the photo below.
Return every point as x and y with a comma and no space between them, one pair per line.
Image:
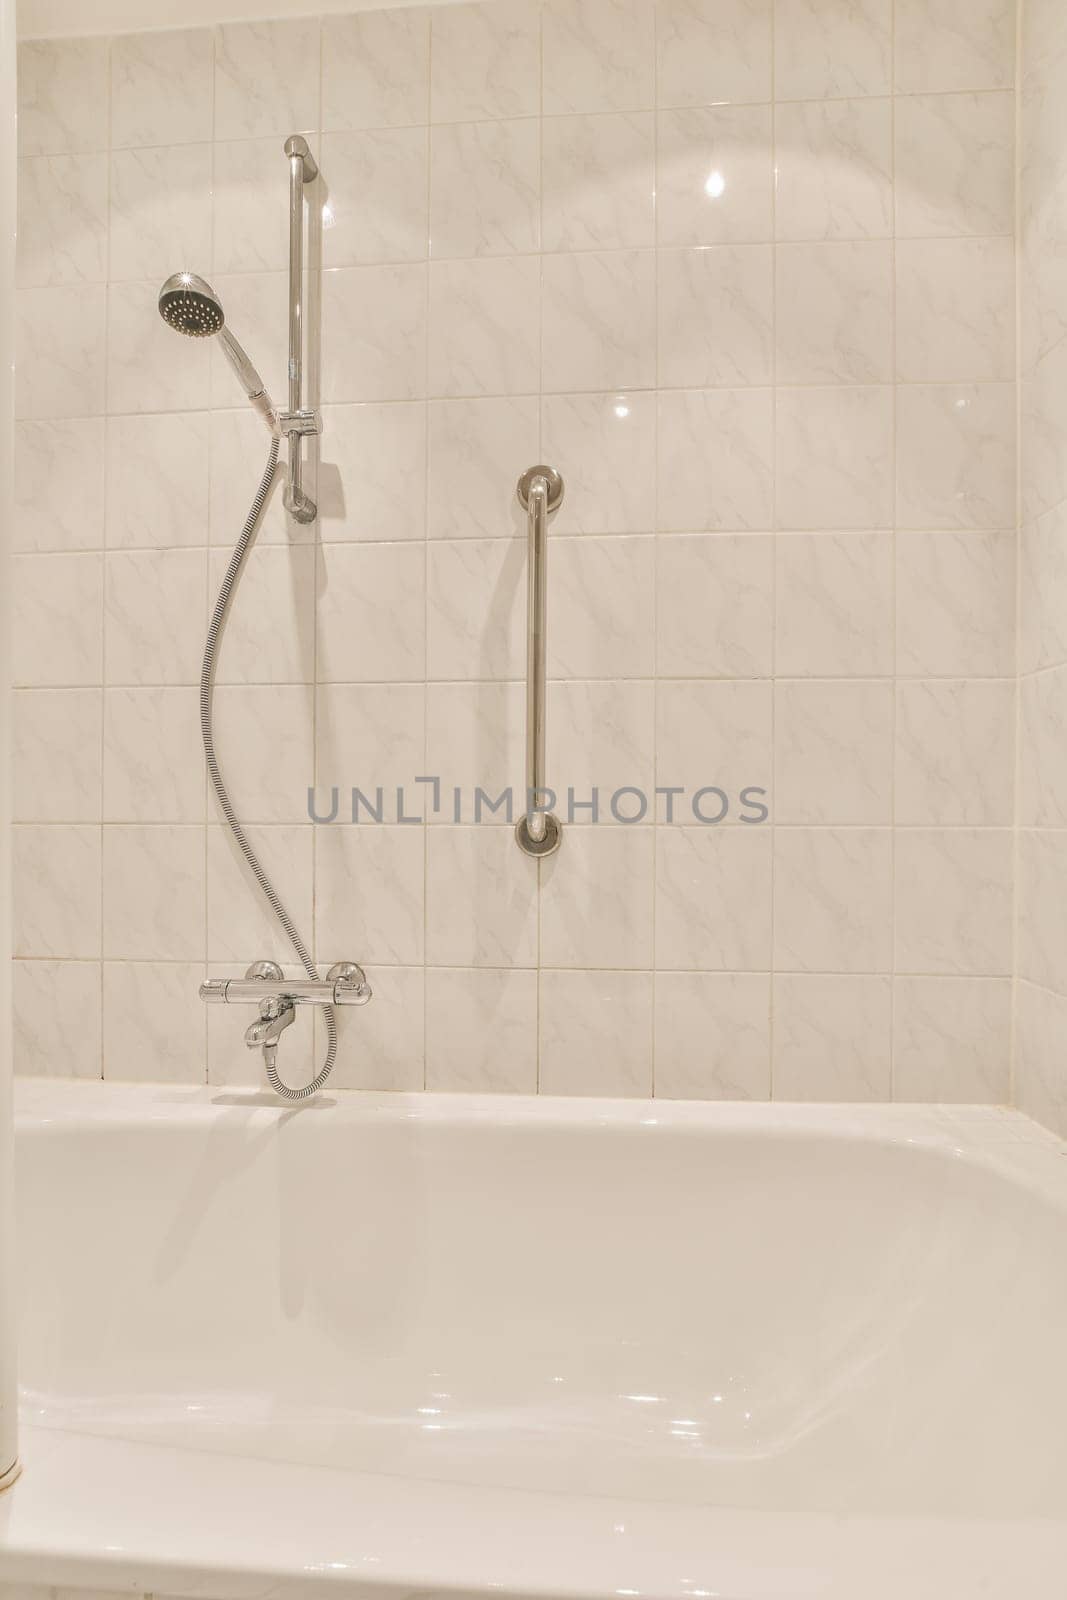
299,421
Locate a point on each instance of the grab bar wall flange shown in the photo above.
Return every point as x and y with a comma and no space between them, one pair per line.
540,491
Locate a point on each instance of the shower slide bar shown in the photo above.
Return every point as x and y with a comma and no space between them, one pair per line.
299,421
540,490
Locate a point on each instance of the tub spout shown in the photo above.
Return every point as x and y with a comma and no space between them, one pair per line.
275,1015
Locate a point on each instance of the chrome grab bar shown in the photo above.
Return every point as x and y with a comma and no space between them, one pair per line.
298,421
540,489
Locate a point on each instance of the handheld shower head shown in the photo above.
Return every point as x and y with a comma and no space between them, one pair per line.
189,305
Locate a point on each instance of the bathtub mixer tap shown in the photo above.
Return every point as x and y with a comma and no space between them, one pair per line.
265,985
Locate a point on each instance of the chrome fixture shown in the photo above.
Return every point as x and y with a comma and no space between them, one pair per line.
344,985
540,490
280,1004
298,422
264,985
189,305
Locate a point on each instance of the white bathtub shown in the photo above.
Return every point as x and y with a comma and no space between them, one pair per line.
405,1343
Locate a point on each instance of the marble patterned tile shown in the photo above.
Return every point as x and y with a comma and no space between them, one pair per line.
716,460
475,749
155,605
59,485
714,606
481,899
834,161
154,893
371,613
376,206
485,188
604,447
715,176
153,766
250,204
834,313
716,316
955,752
62,220
385,922
240,924
955,310
62,96
832,897
835,457
713,898
711,51
1043,592
831,1037
947,45
834,605
155,1024
47,724
831,49
956,456
376,486
60,338
158,480
596,1033
476,609
598,182
1042,800
952,1040
601,737
953,899
596,907
599,55
481,61
477,448
712,1036
266,78
376,69
481,1030
599,327
57,620
712,733
56,877
833,751
374,333
56,1018
955,165
601,598
955,604
485,327
270,636
162,89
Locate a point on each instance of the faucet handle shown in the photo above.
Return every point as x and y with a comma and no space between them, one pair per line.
269,971
350,980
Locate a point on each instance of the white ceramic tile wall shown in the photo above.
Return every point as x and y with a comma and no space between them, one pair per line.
745,272
1041,935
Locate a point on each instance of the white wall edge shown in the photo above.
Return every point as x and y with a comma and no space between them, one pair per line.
8,178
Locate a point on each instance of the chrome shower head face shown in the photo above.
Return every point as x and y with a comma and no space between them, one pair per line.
189,305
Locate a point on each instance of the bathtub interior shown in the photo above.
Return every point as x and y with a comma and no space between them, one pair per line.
656,1308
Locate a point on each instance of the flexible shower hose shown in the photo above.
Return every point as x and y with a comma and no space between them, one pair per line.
207,685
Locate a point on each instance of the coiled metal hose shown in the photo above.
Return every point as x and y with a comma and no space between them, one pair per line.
207,685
